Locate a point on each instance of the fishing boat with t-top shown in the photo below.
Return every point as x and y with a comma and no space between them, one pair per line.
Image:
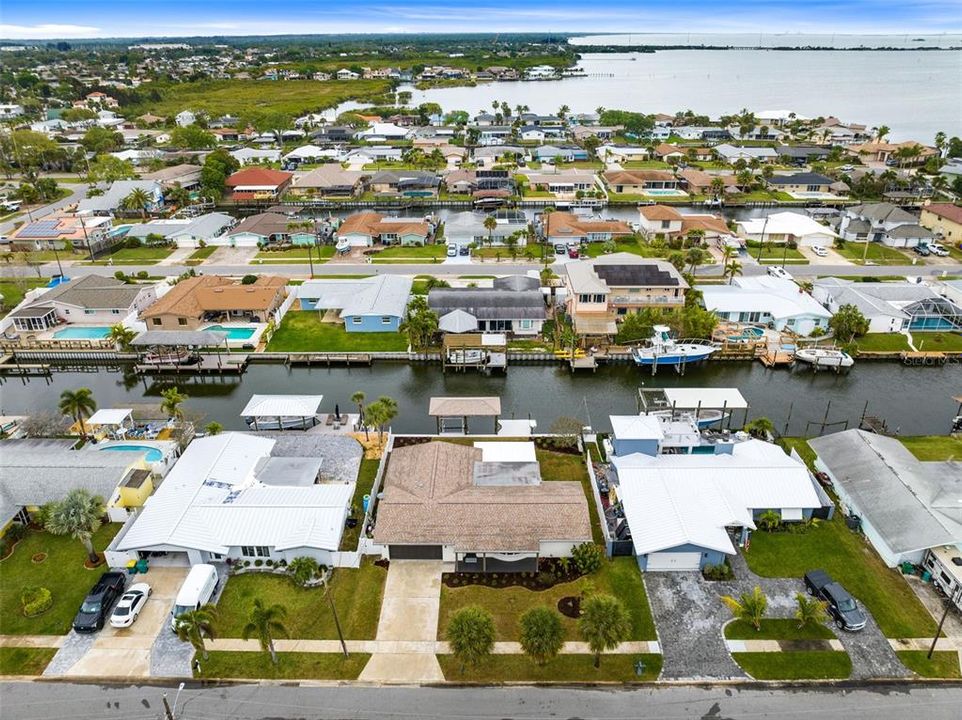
662,349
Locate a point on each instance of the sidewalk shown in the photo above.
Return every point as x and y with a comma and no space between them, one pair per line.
31,641
436,647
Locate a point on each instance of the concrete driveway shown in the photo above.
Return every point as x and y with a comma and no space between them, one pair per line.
125,652
408,626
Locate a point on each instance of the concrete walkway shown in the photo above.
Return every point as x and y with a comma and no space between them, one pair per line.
32,641
178,256
408,626
945,643
776,645
437,647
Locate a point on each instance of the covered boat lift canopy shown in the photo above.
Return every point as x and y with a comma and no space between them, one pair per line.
694,400
458,321
280,412
180,338
459,409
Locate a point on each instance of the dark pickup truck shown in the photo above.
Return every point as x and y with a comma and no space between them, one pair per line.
841,605
96,606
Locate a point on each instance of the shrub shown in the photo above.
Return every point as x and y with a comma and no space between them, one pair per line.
722,571
132,243
15,532
120,275
248,280
258,562
302,570
247,563
143,275
35,600
269,563
587,558
770,521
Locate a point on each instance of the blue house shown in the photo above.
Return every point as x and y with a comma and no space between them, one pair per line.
373,304
681,506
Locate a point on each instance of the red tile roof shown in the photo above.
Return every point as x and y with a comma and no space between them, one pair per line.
259,176
950,212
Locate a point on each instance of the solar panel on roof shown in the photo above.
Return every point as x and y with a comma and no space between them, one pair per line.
39,229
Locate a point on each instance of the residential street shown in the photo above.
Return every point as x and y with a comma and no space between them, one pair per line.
43,701
78,191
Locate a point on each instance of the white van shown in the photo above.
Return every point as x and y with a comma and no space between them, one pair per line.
196,591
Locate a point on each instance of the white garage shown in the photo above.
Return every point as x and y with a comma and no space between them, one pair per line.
672,561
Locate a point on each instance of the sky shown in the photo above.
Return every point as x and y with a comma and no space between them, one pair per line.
47,19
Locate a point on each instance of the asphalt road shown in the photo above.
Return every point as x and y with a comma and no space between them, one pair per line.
78,191
45,700
442,269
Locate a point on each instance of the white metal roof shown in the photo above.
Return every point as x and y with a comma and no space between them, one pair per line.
516,428
273,406
507,452
785,223
636,427
779,298
709,398
672,500
212,500
110,416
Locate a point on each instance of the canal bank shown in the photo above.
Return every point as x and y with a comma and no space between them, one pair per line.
913,400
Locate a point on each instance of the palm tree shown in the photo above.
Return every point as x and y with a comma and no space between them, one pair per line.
195,625
760,427
750,607
490,224
138,199
732,269
542,634
809,610
172,400
563,111
122,336
694,257
358,399
266,622
471,634
213,428
604,624
881,131
78,404
390,410
79,516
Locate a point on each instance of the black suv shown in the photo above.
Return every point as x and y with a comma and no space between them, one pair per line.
96,606
841,605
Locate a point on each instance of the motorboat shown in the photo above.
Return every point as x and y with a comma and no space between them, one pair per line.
466,356
706,417
662,349
173,356
824,357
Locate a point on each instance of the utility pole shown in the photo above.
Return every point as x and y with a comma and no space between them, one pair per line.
938,632
168,714
337,622
761,243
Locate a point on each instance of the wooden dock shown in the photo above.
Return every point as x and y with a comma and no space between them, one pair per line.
10,365
206,364
922,357
776,358
588,362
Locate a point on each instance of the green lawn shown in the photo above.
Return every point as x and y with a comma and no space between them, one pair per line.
319,254
776,254
777,629
25,661
144,255
563,668
203,253
619,577
632,246
412,251
801,446
357,597
303,331
944,663
811,665
876,253
290,665
529,345
934,447
645,165
851,561
365,481
13,290
879,342
945,341
63,573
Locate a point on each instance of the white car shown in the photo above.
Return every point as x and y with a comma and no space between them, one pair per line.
130,605
937,249
819,251
777,271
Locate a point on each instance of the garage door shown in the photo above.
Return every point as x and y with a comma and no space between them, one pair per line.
416,552
661,562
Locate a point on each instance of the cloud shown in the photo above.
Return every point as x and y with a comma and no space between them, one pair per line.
49,30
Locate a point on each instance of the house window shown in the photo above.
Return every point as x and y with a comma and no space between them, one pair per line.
115,311
386,319
182,321
665,224
66,312
526,324
356,320
89,311
156,321
255,551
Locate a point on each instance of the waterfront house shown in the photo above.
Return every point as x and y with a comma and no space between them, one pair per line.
240,496
252,156
566,183
371,304
35,472
666,152
333,134
732,153
602,290
622,153
903,154
566,227
882,222
515,304
330,180
77,233
605,134
480,183
481,508
905,506
487,156
258,183
698,182
666,222
383,132
890,306
185,175
467,228
638,182
803,154
185,232
406,183
373,154
801,183
682,492
113,198
768,301
945,220
259,230
786,227
365,229
195,302
559,153
89,300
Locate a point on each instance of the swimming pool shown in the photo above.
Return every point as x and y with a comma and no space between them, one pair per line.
79,332
666,192
233,333
153,454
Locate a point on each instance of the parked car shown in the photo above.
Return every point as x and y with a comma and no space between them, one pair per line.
937,249
452,250
559,249
777,271
93,612
819,251
573,252
464,251
130,605
10,205
841,605
922,250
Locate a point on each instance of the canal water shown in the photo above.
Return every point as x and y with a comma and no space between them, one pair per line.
912,400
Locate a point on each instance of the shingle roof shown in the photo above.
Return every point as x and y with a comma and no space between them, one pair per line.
194,296
264,224
950,212
882,212
430,497
800,179
489,304
93,291
565,224
379,295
